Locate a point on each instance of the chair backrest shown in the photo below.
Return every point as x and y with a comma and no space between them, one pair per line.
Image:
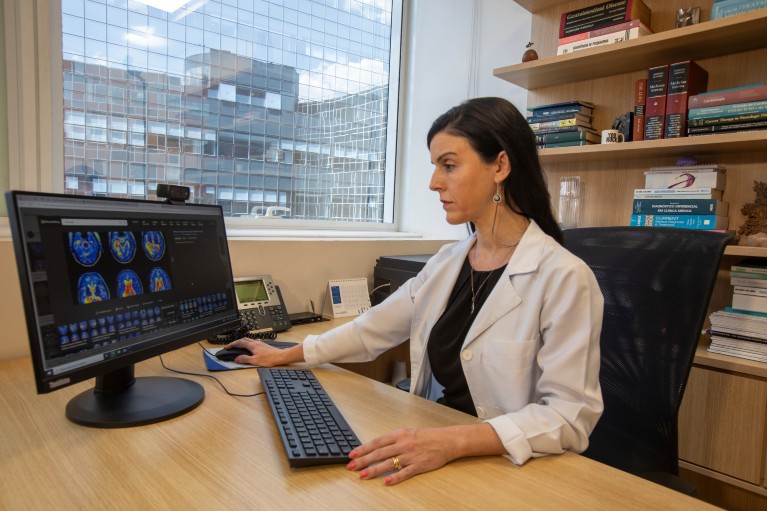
657,283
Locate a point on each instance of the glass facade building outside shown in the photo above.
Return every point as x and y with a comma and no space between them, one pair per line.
252,104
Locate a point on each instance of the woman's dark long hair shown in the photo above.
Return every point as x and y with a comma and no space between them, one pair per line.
492,125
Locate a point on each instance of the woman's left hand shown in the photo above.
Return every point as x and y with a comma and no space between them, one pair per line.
404,453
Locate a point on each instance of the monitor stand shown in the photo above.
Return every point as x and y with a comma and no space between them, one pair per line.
120,400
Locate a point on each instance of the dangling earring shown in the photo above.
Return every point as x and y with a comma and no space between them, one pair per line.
497,196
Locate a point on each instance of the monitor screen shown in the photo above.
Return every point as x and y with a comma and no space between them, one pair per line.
107,283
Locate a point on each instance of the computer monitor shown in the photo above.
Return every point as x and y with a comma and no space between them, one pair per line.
107,283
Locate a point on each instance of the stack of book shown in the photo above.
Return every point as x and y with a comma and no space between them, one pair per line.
749,279
669,86
602,24
563,124
741,330
688,197
728,110
738,335
725,8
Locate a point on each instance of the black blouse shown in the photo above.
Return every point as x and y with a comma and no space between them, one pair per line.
448,334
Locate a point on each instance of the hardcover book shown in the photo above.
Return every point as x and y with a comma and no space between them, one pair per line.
682,178
677,193
728,119
733,7
680,207
745,94
565,106
750,107
724,128
655,106
640,96
705,222
602,15
684,78
572,143
560,123
628,25
567,137
601,40
557,117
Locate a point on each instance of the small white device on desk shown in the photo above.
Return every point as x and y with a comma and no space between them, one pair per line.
346,297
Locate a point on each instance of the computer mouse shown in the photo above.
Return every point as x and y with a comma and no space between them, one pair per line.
228,355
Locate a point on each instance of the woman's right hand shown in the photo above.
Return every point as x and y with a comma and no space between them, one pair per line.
264,355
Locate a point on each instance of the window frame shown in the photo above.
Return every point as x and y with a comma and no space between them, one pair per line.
34,68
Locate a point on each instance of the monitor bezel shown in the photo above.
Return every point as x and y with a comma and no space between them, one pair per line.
46,384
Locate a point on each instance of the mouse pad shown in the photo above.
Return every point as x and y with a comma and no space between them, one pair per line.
214,364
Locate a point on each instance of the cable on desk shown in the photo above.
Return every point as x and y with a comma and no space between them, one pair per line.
208,376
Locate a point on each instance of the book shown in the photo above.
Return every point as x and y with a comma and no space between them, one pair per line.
748,313
561,105
680,207
684,78
602,15
572,143
748,275
557,117
753,346
684,178
749,107
750,291
655,105
560,123
728,8
627,25
582,107
745,94
742,335
727,119
698,167
681,221
568,136
736,353
751,266
735,127
747,281
640,96
601,40
563,129
749,324
677,193
749,303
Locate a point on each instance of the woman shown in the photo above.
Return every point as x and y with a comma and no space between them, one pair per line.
506,322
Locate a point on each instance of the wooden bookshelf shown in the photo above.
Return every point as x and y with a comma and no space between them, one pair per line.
733,50
714,144
703,40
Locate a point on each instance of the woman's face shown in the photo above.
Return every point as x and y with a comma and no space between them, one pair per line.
465,183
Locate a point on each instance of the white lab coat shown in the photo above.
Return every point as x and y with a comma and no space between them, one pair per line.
531,357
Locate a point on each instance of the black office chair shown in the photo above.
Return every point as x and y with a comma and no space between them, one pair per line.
657,283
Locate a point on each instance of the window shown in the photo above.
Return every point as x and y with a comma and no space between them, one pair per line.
250,103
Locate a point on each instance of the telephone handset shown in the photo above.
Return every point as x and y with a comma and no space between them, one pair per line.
262,310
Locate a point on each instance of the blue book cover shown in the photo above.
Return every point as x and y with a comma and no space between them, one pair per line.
680,221
725,8
679,207
727,110
750,313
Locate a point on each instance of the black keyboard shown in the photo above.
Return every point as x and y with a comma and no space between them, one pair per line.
312,429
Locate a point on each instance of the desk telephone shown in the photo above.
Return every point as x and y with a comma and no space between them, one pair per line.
262,310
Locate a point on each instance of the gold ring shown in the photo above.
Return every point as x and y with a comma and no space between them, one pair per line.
395,461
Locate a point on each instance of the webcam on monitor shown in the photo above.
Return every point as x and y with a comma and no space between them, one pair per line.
173,193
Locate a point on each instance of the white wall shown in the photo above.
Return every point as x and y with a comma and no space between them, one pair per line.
441,73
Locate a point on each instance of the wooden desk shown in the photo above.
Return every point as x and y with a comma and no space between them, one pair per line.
226,454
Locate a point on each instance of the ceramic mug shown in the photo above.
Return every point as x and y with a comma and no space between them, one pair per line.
612,137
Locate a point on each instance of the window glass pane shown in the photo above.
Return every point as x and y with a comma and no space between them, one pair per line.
250,103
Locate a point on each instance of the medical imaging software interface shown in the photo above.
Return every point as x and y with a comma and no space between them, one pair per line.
108,283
